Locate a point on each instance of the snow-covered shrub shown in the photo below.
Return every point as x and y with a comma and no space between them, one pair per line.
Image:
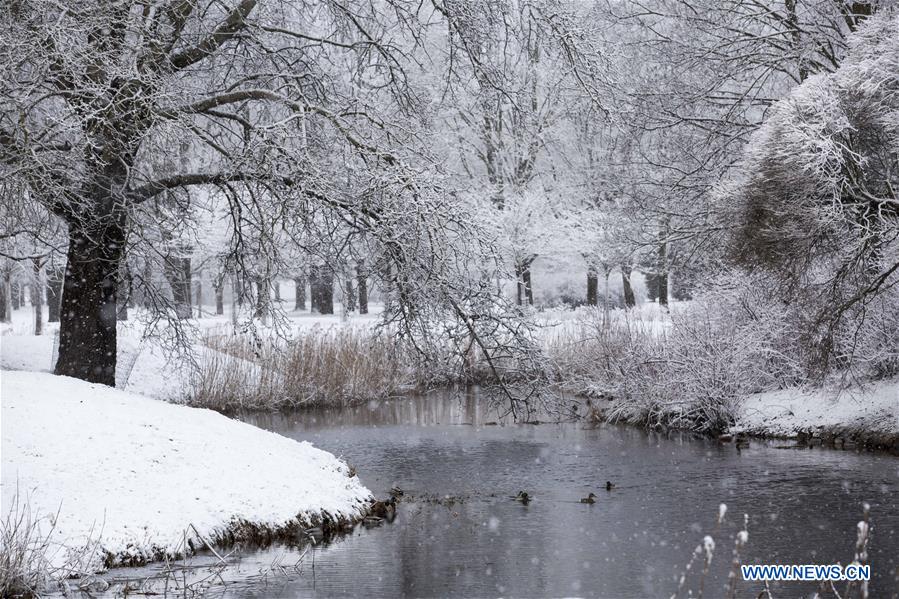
694,375
692,368
689,369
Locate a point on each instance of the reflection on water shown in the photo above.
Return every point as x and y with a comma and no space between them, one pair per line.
634,542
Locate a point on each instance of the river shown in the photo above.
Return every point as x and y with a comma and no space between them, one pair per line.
459,532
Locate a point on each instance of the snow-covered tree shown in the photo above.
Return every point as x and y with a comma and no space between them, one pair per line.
301,116
818,203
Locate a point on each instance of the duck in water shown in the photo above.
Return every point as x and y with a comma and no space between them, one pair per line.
522,497
384,509
591,498
609,486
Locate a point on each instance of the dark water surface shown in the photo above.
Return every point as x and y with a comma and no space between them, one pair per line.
803,507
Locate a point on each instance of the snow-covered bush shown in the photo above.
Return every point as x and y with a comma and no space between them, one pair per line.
689,372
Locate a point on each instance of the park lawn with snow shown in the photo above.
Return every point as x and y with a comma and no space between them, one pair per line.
136,477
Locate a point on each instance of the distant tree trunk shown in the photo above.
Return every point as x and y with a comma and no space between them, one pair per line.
519,284
177,271
87,328
36,297
263,297
236,299
7,292
629,300
54,293
4,300
592,286
299,293
662,273
362,287
276,285
524,291
792,25
350,295
652,286
528,288
386,287
15,294
606,304
199,297
218,285
321,282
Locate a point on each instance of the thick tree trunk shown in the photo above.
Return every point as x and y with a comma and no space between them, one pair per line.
629,300
299,293
87,328
362,287
321,282
592,286
177,271
36,303
277,288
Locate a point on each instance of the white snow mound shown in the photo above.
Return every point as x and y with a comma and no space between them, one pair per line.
134,473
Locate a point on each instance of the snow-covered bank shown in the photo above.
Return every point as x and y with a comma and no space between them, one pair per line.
846,418
140,476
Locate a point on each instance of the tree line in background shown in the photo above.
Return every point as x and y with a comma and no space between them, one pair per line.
436,152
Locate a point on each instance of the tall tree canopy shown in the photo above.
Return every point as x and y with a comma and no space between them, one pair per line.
294,117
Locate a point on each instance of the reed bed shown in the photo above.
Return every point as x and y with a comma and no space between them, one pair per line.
29,558
330,367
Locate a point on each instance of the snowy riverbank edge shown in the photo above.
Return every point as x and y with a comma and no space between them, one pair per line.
865,416
843,418
858,417
136,478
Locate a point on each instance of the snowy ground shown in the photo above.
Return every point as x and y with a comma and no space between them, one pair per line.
869,414
136,475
